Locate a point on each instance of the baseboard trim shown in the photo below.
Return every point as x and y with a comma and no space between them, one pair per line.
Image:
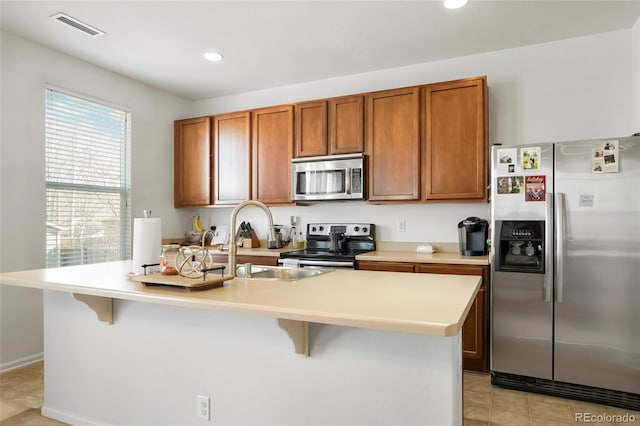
21,362
66,417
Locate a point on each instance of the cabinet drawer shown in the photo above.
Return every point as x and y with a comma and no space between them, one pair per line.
386,266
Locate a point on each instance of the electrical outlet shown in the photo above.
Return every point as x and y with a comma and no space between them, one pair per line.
204,407
402,225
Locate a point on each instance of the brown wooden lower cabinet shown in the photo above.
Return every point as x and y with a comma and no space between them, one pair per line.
475,330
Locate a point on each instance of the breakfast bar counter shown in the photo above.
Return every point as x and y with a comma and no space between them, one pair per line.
431,304
381,348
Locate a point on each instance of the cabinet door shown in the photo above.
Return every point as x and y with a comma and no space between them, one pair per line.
475,330
272,148
456,162
393,145
311,129
232,148
346,125
192,162
385,266
473,336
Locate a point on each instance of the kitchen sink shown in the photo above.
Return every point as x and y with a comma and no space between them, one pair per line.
278,273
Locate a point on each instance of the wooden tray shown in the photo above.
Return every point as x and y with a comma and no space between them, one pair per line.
212,280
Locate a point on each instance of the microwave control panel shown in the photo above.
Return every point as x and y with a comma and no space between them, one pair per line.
356,181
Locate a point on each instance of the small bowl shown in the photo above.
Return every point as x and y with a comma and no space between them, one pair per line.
194,237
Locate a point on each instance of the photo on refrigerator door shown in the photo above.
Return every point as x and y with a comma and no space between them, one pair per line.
534,188
530,158
605,159
507,158
510,184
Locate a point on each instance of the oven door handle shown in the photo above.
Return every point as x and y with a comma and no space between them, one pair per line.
327,263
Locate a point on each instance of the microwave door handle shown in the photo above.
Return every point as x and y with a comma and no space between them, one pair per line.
347,184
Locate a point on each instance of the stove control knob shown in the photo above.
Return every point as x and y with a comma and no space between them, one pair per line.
313,229
321,228
356,228
365,229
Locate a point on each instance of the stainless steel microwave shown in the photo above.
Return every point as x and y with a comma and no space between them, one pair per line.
335,177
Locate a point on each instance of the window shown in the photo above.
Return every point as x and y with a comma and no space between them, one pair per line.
88,189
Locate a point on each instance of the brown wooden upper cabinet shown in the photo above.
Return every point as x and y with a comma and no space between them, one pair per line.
393,144
346,124
192,162
272,150
311,129
455,134
424,143
327,127
232,158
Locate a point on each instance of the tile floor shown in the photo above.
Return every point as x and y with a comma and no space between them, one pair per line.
22,389
485,404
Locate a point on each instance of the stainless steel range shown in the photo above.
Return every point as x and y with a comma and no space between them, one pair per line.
333,245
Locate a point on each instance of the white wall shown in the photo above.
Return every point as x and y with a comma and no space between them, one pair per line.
635,73
571,89
26,69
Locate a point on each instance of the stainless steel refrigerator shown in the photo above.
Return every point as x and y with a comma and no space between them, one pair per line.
565,269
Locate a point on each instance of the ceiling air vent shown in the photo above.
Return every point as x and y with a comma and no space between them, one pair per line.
73,22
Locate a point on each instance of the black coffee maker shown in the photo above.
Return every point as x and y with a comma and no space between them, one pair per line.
473,233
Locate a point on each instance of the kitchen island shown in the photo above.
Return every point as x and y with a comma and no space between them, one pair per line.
384,348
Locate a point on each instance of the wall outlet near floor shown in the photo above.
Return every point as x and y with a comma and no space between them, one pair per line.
402,225
204,407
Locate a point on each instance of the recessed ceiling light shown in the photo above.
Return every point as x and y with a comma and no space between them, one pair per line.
454,4
213,56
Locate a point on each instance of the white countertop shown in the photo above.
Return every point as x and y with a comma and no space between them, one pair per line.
414,257
418,303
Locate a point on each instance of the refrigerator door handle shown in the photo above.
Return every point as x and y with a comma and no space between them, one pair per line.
547,283
559,202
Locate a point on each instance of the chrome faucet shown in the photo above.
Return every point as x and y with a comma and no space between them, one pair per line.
233,247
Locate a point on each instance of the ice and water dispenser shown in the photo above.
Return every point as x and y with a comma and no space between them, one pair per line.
520,247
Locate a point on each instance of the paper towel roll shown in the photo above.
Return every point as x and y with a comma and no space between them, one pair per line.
147,243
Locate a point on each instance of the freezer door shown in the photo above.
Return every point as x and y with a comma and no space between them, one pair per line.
521,303
597,285
521,325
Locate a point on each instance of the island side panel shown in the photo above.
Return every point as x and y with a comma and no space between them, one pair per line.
153,362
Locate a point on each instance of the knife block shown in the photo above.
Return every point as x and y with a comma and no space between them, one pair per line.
252,242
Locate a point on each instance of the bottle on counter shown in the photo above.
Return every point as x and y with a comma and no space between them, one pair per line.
294,237
301,242
168,259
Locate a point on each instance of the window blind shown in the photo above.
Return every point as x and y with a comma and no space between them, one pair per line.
88,186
